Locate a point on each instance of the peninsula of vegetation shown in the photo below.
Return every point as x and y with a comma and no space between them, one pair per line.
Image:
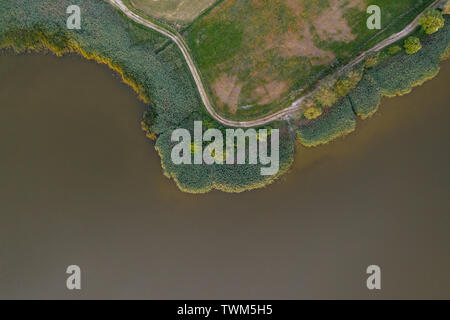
314,63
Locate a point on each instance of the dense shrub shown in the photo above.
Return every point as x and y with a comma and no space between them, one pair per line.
326,96
412,45
366,97
400,74
338,121
396,76
371,61
344,85
312,112
230,178
404,71
431,21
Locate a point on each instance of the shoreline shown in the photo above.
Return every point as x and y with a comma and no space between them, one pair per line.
330,128
139,92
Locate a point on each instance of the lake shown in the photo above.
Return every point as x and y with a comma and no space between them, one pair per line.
80,184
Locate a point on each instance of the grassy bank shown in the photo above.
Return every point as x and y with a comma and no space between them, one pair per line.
395,76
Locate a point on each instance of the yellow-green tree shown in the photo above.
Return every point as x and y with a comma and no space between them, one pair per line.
412,45
343,86
312,112
447,8
326,96
354,77
431,21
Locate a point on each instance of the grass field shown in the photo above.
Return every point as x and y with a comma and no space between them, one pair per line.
256,55
181,11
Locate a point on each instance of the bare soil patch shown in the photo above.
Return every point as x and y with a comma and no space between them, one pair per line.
273,91
331,24
227,89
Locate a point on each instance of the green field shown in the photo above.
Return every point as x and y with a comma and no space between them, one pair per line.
174,11
258,55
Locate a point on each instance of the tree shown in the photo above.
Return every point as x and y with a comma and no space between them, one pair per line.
343,86
431,21
354,77
326,96
312,112
412,45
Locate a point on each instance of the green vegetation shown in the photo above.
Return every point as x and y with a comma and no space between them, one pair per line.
331,91
220,41
326,95
400,74
154,68
173,11
371,61
431,21
394,50
338,121
38,38
366,97
412,45
395,15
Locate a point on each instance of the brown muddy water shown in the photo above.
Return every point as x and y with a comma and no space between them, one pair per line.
80,184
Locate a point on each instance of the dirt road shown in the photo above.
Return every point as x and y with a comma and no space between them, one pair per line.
295,106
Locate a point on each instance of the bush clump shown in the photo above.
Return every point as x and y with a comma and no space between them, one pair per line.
366,97
371,61
312,112
412,45
337,122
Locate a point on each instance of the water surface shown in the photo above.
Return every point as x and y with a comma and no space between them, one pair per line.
80,184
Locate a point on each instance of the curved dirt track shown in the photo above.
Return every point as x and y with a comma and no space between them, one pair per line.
295,106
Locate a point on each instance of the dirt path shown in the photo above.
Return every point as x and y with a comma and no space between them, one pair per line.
295,106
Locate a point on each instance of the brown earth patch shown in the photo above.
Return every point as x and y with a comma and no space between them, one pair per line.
298,41
274,91
270,92
331,24
296,6
227,89
302,44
